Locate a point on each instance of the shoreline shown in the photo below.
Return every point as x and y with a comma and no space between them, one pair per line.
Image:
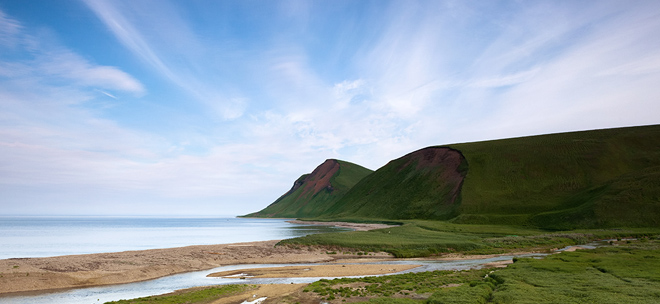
44,275
32,276
22,276
354,226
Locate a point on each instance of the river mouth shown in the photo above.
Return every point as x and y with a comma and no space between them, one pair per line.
102,294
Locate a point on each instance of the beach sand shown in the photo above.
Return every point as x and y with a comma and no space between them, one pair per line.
74,271
316,271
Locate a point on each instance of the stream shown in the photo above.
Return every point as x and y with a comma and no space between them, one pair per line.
102,294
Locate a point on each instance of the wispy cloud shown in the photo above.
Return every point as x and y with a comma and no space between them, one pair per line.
156,33
47,62
128,35
9,30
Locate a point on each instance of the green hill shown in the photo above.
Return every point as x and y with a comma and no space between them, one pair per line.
424,184
589,179
312,194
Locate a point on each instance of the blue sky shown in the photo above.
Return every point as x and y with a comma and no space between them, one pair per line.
216,107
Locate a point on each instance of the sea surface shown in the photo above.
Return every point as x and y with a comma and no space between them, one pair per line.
22,237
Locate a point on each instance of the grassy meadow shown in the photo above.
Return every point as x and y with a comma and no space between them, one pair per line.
625,272
426,238
192,296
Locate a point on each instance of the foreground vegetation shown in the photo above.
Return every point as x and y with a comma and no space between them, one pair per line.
427,238
190,296
627,273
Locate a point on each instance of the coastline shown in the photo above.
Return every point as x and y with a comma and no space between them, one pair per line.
48,274
355,226
74,271
30,276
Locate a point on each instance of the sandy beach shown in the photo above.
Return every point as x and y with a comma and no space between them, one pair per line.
74,271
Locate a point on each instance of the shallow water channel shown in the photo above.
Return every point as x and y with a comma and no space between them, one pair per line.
102,294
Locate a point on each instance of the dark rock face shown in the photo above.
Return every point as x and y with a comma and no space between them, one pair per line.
316,181
445,161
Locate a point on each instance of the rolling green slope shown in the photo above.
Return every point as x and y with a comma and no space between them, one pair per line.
424,184
312,194
590,179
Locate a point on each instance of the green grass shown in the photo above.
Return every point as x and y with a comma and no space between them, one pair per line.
405,241
592,179
427,238
627,273
192,296
393,286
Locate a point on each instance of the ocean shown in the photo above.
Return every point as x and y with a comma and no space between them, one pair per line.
22,237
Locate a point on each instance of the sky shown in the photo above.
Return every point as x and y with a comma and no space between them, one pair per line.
215,108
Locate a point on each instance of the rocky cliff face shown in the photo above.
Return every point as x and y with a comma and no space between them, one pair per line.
316,181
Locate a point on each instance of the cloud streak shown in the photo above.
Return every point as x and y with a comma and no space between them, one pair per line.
170,40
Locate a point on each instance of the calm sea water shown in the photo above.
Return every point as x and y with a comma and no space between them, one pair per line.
22,237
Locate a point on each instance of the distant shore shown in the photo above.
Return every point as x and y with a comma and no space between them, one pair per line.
20,275
355,226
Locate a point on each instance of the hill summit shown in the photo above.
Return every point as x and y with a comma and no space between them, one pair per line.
312,194
425,184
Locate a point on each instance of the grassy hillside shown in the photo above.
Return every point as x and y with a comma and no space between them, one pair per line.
424,184
312,194
591,179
